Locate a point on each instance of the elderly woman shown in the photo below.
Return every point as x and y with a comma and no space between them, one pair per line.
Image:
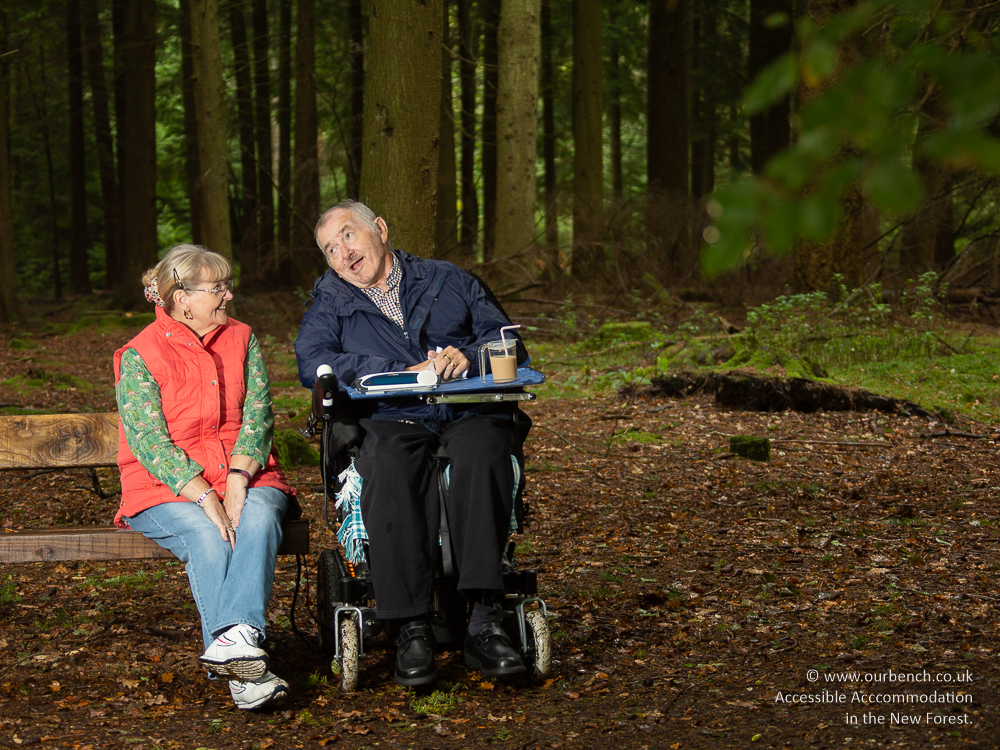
198,473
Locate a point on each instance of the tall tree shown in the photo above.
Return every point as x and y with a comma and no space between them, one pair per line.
262,132
9,307
668,131
491,20
104,146
402,99
283,244
927,242
519,46
354,152
305,182
192,171
770,37
39,95
79,269
548,90
138,144
843,253
446,232
247,214
468,44
588,167
704,44
210,104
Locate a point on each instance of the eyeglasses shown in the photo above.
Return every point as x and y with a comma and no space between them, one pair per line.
222,288
225,286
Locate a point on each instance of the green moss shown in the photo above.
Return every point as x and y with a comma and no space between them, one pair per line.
772,361
19,345
748,446
38,379
111,321
633,330
294,450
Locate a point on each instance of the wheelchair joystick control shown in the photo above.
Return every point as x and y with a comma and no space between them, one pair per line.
324,397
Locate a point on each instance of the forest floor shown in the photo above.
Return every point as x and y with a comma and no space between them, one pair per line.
841,594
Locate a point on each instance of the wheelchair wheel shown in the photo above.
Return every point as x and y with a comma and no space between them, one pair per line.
326,594
346,665
539,664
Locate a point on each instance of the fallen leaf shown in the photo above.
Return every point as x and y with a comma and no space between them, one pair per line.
167,677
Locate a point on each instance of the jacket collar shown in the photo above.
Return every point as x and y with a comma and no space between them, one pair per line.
346,299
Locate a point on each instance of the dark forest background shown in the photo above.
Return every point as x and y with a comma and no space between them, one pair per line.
726,149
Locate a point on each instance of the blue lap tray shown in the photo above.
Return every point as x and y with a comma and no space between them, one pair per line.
525,376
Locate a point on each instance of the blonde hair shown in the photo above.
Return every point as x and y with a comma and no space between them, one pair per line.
187,263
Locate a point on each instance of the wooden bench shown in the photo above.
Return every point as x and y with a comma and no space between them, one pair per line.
82,441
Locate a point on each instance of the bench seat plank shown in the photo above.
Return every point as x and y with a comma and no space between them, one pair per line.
108,543
44,441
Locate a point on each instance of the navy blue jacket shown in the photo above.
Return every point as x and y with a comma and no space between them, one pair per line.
442,306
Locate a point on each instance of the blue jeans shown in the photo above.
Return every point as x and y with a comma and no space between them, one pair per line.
230,586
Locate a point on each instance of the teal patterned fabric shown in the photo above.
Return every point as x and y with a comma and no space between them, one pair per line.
147,434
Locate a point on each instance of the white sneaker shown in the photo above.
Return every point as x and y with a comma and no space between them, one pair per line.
247,695
236,654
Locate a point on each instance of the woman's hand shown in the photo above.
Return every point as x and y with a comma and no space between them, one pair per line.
212,505
236,497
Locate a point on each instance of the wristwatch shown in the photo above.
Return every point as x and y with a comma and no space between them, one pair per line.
244,472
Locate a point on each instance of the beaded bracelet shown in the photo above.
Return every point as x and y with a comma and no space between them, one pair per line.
204,494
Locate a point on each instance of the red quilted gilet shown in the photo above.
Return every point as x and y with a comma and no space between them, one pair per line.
202,392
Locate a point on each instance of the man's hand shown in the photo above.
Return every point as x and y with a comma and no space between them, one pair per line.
449,363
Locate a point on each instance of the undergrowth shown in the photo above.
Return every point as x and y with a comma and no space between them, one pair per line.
900,344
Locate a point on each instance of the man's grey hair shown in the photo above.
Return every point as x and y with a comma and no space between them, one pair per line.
360,211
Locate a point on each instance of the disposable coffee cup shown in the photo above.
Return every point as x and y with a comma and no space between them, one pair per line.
503,360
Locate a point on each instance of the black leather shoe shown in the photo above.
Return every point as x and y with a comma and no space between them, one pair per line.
415,654
492,653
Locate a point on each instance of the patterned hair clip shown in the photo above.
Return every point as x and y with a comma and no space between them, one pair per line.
153,293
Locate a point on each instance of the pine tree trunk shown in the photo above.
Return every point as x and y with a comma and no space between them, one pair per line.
262,120
137,148
79,243
469,43
9,306
843,254
491,20
519,48
40,97
446,232
354,153
247,213
403,99
588,168
703,102
210,105
283,244
306,258
105,147
553,267
191,169
927,242
770,130
668,208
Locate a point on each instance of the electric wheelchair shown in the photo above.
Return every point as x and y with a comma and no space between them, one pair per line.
345,596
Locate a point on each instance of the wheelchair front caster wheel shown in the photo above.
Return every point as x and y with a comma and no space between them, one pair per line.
346,664
539,661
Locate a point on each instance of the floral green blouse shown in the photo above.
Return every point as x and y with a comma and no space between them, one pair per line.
139,406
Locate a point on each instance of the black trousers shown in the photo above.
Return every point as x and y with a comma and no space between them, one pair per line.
400,506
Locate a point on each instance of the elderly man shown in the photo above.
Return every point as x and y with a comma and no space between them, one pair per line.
381,310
